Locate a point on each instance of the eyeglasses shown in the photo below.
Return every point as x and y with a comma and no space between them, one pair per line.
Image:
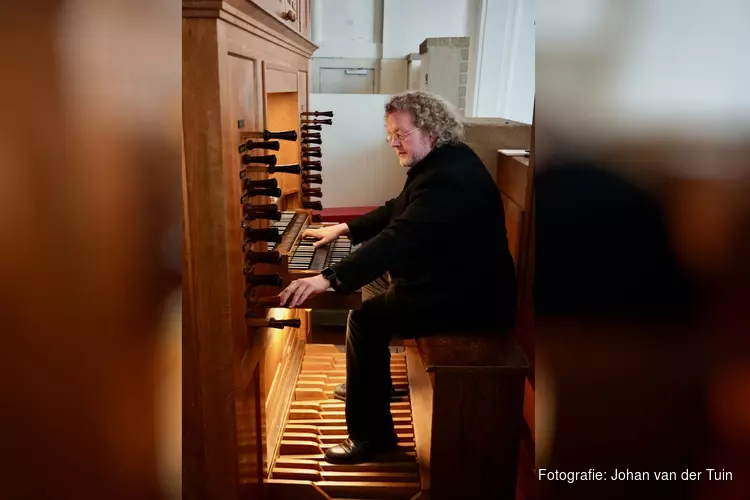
399,135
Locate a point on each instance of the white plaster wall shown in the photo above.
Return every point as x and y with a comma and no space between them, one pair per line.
406,23
347,28
505,64
359,168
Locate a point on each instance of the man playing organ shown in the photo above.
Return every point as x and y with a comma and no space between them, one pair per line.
420,264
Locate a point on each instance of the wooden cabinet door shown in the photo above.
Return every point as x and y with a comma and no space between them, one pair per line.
291,14
275,7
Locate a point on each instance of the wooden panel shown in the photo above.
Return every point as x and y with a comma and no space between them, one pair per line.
250,436
513,177
278,80
486,135
241,101
282,113
213,330
281,366
475,435
461,353
302,78
514,224
193,457
515,180
477,388
420,393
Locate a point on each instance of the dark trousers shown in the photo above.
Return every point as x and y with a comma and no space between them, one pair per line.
368,370
383,316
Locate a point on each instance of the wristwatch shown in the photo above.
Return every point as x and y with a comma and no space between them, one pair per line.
329,274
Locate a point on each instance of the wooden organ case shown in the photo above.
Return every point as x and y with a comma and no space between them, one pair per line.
245,70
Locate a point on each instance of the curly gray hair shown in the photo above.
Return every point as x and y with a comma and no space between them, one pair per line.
431,113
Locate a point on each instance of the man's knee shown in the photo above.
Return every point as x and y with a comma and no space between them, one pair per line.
370,321
360,319
376,287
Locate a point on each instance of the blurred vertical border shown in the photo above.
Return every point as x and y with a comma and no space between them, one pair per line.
90,266
642,274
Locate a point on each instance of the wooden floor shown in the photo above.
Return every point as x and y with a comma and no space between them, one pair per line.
316,422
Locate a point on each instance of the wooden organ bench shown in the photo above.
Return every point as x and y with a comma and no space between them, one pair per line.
467,410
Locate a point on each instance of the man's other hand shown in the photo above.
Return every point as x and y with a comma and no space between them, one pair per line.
325,234
302,289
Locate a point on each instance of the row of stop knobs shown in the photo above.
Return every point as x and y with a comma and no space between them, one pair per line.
251,212
311,128
269,187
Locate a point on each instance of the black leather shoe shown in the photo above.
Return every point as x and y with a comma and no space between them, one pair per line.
357,452
339,392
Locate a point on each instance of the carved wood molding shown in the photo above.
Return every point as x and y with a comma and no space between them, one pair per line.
253,19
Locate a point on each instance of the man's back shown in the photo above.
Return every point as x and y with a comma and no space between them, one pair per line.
449,226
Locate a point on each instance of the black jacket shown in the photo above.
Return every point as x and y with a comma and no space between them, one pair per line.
442,240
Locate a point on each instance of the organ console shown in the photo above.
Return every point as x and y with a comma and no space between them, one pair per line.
311,135
306,150
250,145
311,140
309,163
299,259
307,127
311,167
312,192
312,152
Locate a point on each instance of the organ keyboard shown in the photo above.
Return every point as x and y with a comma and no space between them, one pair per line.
298,258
